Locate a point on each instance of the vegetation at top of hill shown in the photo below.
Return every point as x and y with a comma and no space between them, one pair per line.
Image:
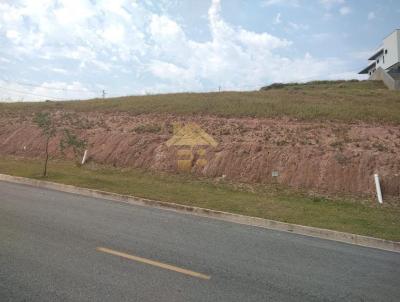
312,83
348,101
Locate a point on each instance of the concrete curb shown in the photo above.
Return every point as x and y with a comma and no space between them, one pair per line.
360,240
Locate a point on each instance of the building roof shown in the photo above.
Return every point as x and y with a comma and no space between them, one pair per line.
368,68
376,54
396,30
380,50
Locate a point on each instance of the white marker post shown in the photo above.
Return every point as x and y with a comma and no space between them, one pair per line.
378,189
84,157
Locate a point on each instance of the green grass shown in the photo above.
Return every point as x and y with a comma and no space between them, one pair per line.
350,101
276,203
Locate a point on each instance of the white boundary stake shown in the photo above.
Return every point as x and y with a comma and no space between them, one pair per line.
84,157
378,189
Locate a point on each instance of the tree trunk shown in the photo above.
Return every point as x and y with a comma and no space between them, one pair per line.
47,157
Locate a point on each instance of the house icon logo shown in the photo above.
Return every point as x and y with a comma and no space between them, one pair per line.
192,140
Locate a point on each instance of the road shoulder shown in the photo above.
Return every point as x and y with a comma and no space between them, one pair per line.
235,218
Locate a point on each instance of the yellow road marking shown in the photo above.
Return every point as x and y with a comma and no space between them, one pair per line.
154,263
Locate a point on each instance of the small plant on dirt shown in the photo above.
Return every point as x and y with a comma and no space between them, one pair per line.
341,159
225,131
380,147
337,144
45,122
147,128
281,143
70,140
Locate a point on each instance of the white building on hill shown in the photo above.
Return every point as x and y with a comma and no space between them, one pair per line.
385,64
386,56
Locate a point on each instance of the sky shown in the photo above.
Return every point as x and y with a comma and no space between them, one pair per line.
75,49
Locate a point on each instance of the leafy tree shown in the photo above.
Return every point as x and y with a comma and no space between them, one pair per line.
70,140
44,121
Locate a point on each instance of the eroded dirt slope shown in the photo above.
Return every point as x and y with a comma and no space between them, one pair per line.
320,156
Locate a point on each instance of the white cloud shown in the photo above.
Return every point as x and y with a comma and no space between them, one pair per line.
55,90
280,2
5,60
62,27
111,38
162,26
328,4
64,90
345,10
321,36
347,75
331,5
59,70
114,33
237,58
13,35
362,54
73,12
263,40
168,70
277,19
296,26
371,16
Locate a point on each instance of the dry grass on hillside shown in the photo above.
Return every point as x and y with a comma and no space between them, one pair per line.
347,101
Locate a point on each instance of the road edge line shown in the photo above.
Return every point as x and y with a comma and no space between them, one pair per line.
360,240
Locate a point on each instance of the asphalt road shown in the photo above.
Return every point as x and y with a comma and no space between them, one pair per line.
49,251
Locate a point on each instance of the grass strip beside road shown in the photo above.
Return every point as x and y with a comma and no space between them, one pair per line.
282,204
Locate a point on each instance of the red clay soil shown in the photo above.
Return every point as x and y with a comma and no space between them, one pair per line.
325,157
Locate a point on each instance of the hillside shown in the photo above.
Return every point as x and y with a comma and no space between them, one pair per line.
326,137
347,101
